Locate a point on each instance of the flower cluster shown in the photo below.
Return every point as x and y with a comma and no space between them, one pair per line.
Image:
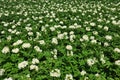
59,40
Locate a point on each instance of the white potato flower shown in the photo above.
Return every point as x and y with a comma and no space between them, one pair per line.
13,31
6,24
72,37
106,44
117,50
8,78
2,72
10,30
63,27
54,52
117,62
100,26
43,29
68,77
5,50
22,64
78,26
34,67
30,33
60,36
94,41
61,22
69,53
108,37
42,42
95,32
55,73
86,78
18,42
35,61
102,60
17,33
52,28
26,45
85,37
28,75
97,75
2,32
72,27
38,34
81,40
69,47
55,56
90,62
71,32
92,37
65,33
54,41
14,26
114,22
92,24
37,48
9,38
87,28
15,50
28,28
83,72
106,28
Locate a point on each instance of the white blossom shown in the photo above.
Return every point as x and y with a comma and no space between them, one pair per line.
2,72
92,24
117,62
94,41
69,47
35,61
5,50
72,37
97,75
8,78
106,44
85,37
81,40
15,50
90,62
100,26
28,75
22,64
106,28
9,38
54,41
33,67
83,72
69,53
55,73
52,28
117,50
108,37
71,32
30,33
37,48
42,42
68,77
95,32
18,42
92,37
26,45
87,28
60,36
